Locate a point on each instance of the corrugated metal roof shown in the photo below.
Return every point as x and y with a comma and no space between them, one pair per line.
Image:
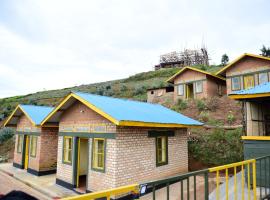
128,110
259,89
36,113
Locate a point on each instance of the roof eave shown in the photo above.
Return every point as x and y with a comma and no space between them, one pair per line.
159,125
248,96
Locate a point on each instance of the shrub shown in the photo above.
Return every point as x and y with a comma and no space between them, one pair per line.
180,105
204,116
5,134
231,118
139,91
218,147
201,105
212,103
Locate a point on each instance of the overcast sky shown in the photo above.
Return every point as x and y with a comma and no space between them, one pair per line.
50,44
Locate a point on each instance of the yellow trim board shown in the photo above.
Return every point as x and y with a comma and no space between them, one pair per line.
113,120
91,106
194,69
11,115
239,58
161,125
248,96
255,137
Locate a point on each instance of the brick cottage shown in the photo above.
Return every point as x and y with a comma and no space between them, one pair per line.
192,83
35,146
106,142
246,71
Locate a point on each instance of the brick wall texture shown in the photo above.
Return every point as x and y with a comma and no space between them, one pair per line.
46,152
130,157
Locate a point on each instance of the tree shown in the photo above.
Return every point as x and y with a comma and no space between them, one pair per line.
265,51
224,59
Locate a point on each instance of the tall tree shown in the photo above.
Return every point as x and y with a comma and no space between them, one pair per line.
224,59
265,51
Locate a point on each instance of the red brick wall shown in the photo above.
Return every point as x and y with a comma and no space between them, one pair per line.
46,152
48,149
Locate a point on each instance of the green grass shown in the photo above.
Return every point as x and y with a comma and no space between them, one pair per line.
133,87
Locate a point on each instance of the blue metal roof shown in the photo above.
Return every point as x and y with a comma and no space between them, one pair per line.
36,113
259,89
128,110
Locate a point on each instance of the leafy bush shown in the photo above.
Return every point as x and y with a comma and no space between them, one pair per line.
218,147
139,90
180,105
201,105
5,134
204,116
231,118
212,103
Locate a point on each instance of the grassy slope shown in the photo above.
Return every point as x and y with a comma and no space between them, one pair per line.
133,87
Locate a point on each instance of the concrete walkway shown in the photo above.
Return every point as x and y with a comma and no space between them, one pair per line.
43,184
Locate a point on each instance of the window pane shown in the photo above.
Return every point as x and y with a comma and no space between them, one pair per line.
180,89
263,78
161,145
248,81
98,153
67,149
19,144
33,145
236,84
199,86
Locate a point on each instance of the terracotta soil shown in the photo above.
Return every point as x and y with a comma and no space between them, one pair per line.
223,106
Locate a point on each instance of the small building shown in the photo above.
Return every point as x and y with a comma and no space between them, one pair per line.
245,72
160,95
192,83
106,142
256,118
35,146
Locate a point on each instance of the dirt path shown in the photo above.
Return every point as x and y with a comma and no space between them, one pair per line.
7,184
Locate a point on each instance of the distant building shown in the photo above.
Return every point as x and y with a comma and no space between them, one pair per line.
160,95
184,58
245,72
192,83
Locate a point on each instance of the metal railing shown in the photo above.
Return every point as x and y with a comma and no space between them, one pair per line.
244,164
249,179
187,180
133,190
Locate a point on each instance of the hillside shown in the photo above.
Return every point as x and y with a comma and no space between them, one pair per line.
133,87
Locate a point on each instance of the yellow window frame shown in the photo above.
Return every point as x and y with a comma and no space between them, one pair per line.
67,150
19,143
33,145
98,155
249,81
161,150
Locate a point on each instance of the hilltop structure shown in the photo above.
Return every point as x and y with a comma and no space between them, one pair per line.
184,58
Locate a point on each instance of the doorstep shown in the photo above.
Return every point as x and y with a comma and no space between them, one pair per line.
44,184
